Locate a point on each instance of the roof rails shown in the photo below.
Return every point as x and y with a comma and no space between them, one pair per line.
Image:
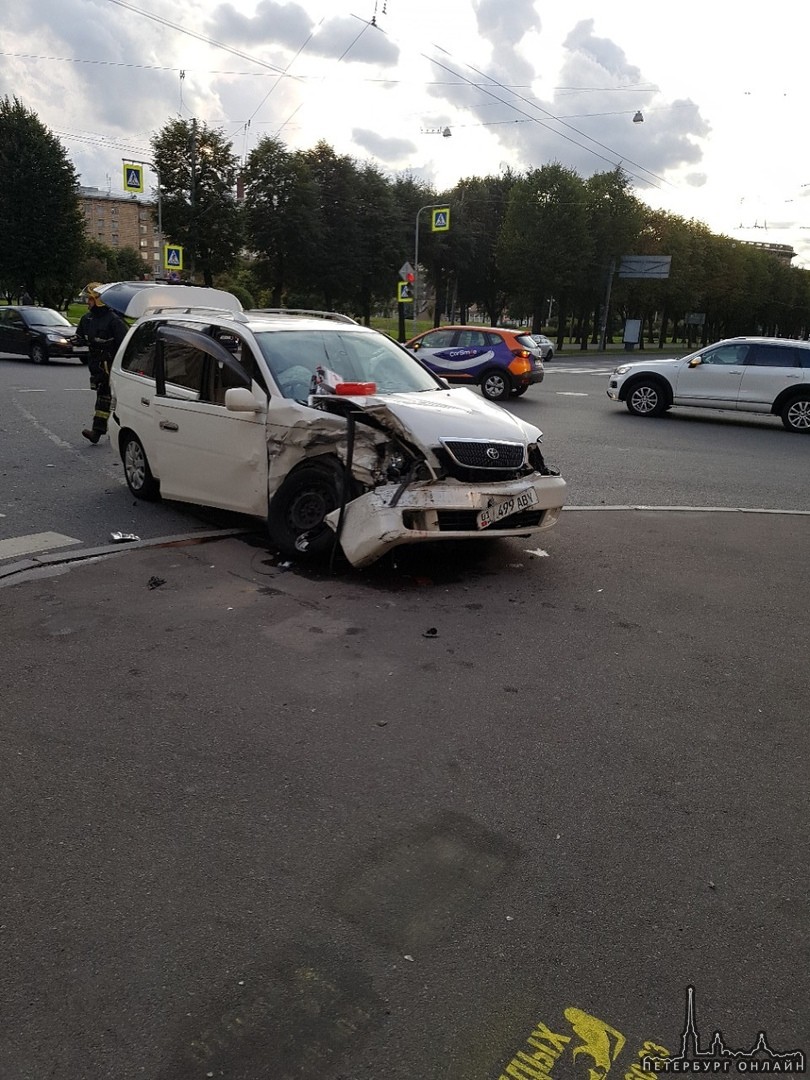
195,309
336,315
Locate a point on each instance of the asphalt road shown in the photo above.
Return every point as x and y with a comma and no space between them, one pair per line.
425,820
51,480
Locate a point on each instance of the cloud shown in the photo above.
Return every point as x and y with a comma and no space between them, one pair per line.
271,24
357,40
603,52
504,22
390,151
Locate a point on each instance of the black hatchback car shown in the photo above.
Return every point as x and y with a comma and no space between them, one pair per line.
38,332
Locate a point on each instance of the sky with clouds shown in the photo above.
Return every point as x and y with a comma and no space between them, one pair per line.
518,83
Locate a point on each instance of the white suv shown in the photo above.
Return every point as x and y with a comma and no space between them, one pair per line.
749,374
330,431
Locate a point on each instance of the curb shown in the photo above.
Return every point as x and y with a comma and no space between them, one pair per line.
38,562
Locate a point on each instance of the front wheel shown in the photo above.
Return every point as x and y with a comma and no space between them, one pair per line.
136,469
496,385
296,518
646,398
796,414
39,354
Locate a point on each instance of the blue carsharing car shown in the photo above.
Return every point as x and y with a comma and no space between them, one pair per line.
504,363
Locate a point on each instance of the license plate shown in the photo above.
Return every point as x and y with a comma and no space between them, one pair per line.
514,504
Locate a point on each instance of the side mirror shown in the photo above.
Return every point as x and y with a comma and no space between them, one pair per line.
415,346
695,361
240,399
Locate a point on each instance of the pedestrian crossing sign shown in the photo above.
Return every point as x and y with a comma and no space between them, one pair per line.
133,177
441,219
172,257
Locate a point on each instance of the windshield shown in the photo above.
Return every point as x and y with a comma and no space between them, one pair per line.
293,356
43,316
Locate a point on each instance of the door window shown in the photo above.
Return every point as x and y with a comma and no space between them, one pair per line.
725,354
438,339
140,355
781,356
183,366
472,339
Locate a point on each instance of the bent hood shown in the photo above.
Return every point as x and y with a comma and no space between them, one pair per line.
450,414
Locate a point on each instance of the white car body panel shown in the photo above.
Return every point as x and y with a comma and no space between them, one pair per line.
206,454
373,523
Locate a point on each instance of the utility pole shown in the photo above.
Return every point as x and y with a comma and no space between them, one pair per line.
151,165
192,230
606,305
430,206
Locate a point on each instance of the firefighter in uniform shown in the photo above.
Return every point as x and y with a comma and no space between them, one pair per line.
102,331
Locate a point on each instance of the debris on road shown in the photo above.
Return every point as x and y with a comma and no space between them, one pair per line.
123,538
156,582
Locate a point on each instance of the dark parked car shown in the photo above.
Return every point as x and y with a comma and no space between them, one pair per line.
38,332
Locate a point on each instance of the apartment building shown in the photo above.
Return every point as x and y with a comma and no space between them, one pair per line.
123,221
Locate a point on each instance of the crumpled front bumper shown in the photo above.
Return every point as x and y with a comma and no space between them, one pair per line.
439,511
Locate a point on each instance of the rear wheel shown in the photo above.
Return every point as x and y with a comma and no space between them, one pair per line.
296,518
136,469
39,354
646,398
496,385
796,414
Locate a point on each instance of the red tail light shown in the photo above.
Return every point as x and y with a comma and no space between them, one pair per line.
523,354
356,389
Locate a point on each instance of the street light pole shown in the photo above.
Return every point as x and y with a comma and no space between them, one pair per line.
151,165
430,206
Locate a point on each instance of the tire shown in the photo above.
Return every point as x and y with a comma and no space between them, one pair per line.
495,384
299,507
39,354
550,356
519,391
136,469
796,414
646,397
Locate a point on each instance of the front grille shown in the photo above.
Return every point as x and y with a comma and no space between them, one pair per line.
465,521
482,454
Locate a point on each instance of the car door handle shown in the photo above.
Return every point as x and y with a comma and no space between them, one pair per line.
169,425
146,401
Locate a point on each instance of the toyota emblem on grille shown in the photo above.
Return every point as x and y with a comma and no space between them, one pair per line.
492,453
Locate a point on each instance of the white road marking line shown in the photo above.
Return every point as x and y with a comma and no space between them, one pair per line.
569,393
27,545
45,431
108,467
24,390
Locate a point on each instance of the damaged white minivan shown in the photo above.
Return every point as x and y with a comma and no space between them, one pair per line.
328,430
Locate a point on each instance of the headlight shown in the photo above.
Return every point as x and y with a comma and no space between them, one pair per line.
622,369
59,339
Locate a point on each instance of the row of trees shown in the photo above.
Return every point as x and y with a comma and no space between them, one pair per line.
312,228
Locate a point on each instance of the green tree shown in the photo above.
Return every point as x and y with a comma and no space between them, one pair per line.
43,226
615,219
377,241
335,273
198,171
478,208
545,247
282,223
